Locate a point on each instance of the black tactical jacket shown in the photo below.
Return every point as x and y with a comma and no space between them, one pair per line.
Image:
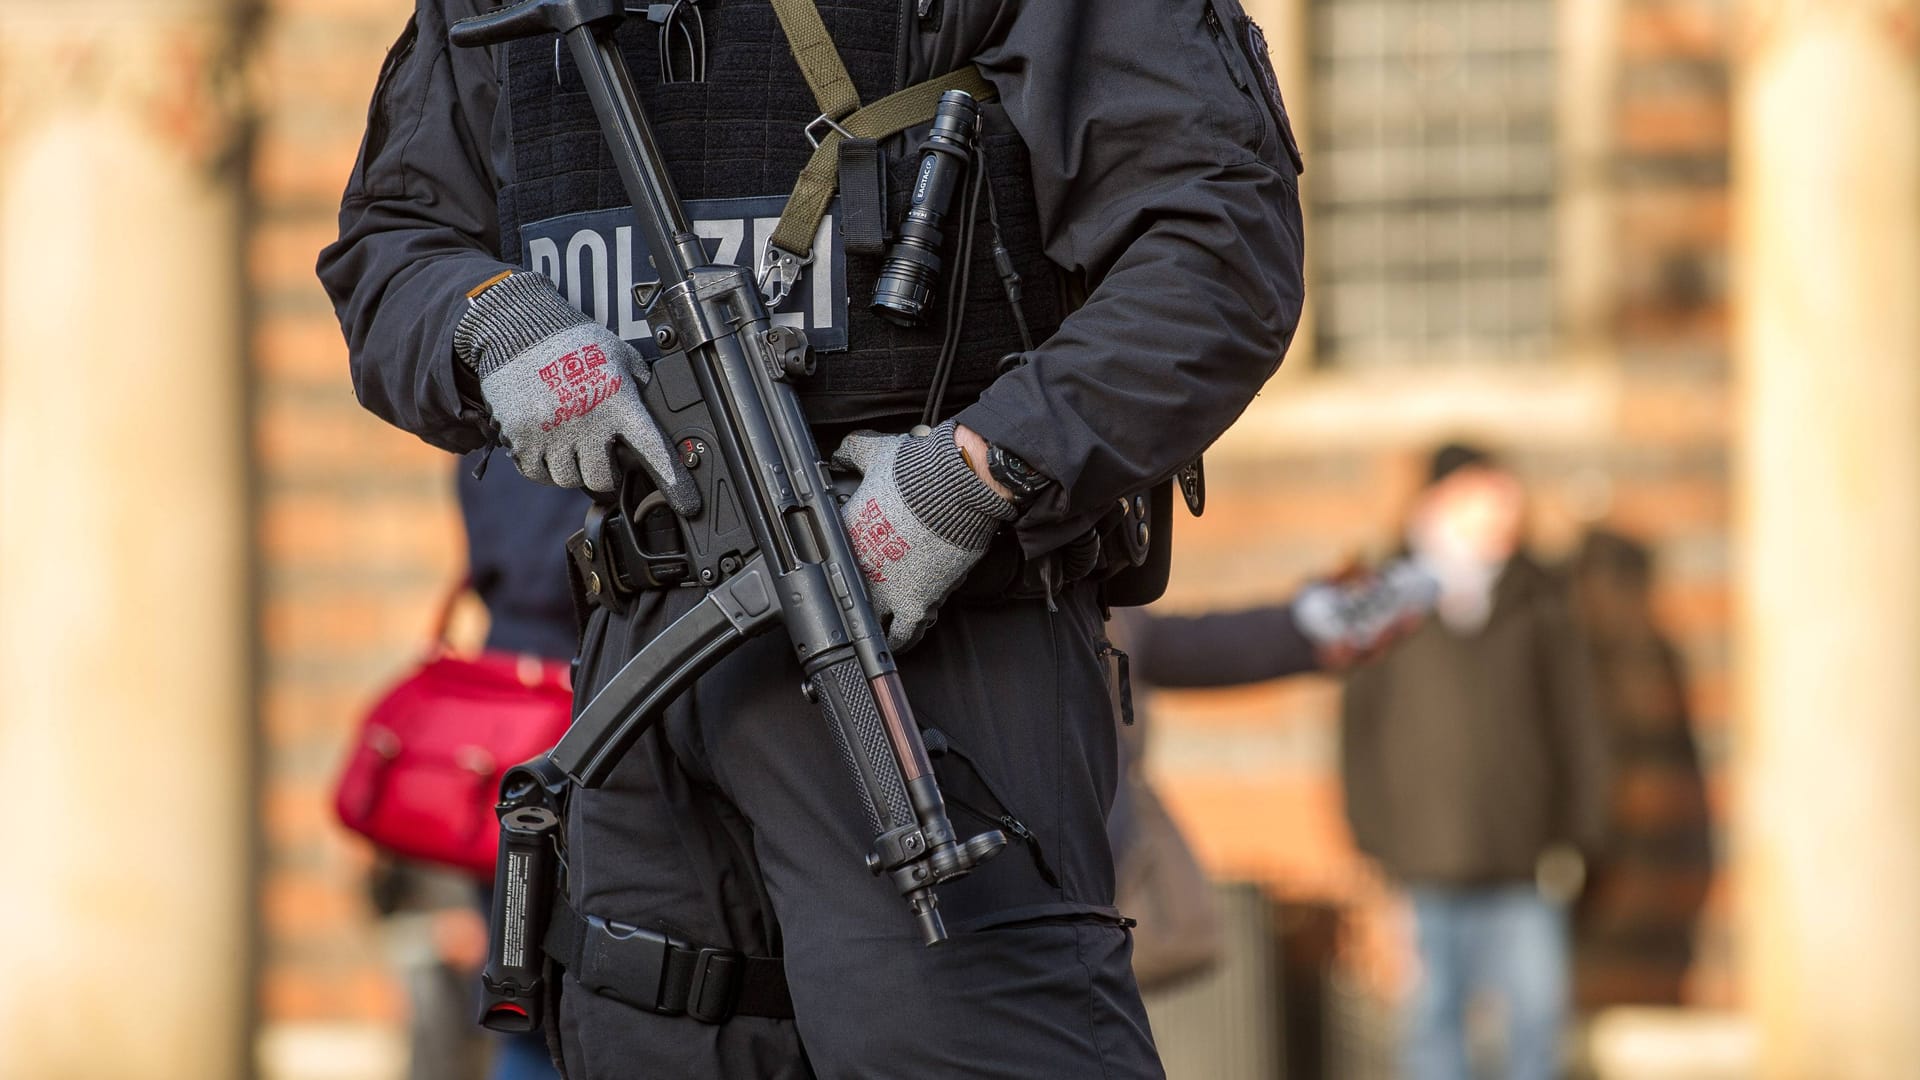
1164,176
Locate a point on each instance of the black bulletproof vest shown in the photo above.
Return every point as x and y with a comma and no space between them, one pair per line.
741,134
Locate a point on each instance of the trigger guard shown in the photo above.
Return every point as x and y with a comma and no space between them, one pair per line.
651,501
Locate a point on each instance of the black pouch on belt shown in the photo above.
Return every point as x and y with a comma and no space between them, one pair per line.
1136,545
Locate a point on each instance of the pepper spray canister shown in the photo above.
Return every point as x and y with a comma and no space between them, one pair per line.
523,887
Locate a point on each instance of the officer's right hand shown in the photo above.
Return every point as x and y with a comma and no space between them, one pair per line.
563,388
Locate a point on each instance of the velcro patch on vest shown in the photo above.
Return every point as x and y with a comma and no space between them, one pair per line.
595,259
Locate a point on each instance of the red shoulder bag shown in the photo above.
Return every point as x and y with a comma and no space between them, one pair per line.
423,775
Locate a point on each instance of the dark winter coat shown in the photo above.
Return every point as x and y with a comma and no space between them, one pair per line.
1467,755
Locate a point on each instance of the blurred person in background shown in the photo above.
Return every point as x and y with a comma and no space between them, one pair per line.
1634,926
435,918
425,768
1475,761
516,563
436,943
516,559
1327,626
1159,880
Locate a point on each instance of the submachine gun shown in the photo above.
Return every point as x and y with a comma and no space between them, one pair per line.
767,545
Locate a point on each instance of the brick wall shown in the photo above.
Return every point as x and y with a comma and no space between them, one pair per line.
357,535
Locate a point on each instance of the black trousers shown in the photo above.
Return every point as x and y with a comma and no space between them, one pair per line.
734,823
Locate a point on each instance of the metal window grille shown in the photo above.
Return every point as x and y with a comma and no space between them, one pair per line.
1433,223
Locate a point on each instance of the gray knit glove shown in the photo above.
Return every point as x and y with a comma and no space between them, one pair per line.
563,388
919,521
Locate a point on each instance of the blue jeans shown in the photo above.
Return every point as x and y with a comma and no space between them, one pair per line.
1505,941
522,1057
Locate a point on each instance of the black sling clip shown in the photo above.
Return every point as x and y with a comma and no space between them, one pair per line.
1192,479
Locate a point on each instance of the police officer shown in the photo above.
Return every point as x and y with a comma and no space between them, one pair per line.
1144,180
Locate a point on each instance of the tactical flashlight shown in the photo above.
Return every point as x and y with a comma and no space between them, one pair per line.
913,264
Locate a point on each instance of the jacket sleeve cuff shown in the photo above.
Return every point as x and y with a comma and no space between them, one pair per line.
1048,522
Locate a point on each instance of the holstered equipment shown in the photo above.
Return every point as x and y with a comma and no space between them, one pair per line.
1138,542
526,886
533,926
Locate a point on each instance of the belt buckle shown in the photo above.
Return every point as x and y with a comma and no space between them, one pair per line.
616,960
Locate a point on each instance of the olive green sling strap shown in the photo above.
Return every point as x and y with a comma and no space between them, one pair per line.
843,117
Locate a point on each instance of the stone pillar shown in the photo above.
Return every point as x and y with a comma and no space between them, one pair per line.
1827,182
124,676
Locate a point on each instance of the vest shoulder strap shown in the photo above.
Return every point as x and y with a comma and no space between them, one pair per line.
844,117
890,115
819,60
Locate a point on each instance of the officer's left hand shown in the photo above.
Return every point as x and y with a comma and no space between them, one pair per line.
919,520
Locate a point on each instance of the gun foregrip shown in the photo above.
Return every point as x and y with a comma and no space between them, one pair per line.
859,731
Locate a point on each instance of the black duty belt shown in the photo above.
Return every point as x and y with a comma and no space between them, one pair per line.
665,975
622,552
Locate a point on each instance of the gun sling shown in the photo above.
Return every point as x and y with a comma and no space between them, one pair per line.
843,117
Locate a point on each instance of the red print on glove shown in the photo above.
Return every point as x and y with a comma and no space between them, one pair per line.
579,382
875,542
